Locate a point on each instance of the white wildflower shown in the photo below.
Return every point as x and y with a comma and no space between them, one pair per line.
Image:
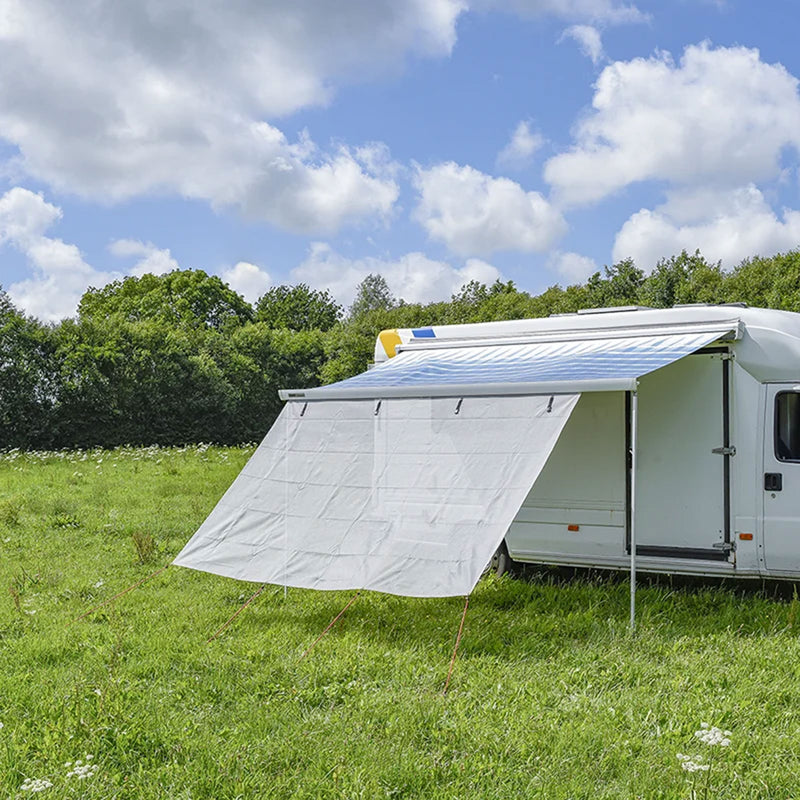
713,736
692,763
35,785
83,768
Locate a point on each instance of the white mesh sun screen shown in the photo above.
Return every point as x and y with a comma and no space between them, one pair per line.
406,496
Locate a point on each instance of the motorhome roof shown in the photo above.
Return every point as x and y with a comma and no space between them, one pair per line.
610,309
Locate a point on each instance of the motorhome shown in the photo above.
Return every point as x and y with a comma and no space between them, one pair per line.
718,447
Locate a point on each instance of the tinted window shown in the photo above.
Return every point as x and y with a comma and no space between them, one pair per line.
787,426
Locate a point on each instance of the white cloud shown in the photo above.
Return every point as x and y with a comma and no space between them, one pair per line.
588,39
475,214
114,100
25,216
519,152
726,226
60,274
248,279
574,267
151,259
377,160
721,116
414,277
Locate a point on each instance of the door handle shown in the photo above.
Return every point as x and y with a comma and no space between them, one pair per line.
773,481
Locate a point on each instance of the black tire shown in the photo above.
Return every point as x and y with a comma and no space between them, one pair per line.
501,562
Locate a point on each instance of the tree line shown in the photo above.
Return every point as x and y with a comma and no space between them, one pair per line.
181,357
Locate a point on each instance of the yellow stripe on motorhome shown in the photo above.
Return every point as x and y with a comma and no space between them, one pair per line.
389,339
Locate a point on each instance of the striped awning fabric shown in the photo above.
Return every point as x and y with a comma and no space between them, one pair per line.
596,363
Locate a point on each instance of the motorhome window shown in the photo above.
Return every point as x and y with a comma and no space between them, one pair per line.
787,426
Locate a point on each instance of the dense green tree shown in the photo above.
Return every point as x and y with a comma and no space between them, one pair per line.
505,301
185,298
475,302
268,360
27,379
298,308
143,381
465,304
618,286
769,282
149,382
683,279
372,294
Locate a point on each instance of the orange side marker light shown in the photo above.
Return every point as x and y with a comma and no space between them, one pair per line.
746,537
573,527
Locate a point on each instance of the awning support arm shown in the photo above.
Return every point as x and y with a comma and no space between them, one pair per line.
634,426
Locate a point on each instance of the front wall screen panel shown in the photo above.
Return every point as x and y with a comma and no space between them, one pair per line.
406,496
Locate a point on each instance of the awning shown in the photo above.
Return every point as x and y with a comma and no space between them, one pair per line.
405,479
577,361
405,496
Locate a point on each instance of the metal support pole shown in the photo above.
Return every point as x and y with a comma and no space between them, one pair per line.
634,421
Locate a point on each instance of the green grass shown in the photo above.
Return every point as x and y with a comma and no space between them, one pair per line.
551,697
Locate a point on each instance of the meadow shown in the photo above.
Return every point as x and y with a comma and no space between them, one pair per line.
551,696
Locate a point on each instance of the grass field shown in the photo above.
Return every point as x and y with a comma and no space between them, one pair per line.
551,697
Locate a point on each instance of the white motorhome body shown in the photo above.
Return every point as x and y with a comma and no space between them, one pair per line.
718,450
663,438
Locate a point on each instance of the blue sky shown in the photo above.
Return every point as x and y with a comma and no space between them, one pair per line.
434,141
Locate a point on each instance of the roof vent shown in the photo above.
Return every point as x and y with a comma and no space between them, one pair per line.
710,305
605,310
610,309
